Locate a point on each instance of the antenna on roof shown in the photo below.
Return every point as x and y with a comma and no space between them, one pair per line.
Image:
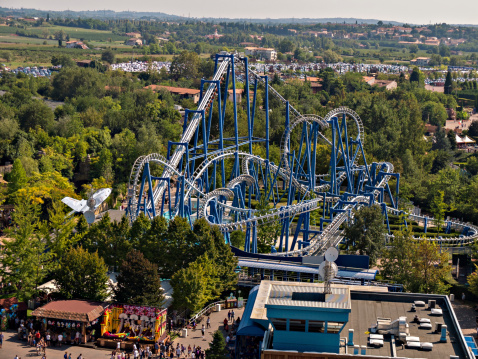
328,270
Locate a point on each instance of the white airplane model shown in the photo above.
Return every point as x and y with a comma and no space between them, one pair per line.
87,207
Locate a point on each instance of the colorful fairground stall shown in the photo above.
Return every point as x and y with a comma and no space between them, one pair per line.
69,317
10,309
130,323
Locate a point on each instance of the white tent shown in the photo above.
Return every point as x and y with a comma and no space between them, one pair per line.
459,140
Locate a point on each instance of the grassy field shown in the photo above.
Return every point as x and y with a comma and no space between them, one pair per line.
14,39
74,32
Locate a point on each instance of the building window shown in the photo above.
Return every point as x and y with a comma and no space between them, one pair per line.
279,324
316,326
334,327
297,325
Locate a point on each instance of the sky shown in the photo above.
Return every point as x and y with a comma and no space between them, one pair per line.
407,11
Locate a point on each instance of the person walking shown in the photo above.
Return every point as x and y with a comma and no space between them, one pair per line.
178,351
229,316
203,331
232,315
208,323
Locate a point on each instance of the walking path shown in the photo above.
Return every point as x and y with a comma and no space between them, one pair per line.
12,346
466,316
195,338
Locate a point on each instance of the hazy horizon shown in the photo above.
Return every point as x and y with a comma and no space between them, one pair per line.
408,11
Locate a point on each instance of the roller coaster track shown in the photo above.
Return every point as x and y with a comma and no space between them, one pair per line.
333,232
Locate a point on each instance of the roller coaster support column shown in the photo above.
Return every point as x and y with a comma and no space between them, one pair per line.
385,214
220,122
254,238
290,195
248,104
180,191
333,159
287,124
146,177
266,105
168,183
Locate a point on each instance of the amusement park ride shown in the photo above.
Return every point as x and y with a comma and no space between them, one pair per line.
221,179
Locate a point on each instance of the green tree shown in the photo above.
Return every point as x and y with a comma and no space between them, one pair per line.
396,261
473,129
417,77
24,261
138,282
267,231
417,264
217,348
366,235
439,208
448,83
472,280
330,57
185,65
59,235
430,268
17,178
435,113
413,48
193,286
238,239
182,247
62,60
82,275
108,56
34,114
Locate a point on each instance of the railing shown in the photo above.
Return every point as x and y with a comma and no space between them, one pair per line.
207,309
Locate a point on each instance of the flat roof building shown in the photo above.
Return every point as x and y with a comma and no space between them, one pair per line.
297,320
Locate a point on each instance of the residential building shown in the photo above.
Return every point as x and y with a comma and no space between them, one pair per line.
76,45
420,61
261,52
433,41
389,85
239,94
182,92
134,42
213,36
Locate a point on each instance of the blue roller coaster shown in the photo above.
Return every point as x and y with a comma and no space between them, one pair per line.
223,180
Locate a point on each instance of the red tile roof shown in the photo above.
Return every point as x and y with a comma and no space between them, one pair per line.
78,310
178,90
8,302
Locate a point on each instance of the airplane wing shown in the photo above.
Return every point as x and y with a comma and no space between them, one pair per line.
74,204
101,195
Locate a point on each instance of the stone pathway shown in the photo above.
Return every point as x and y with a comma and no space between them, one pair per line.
195,338
12,347
466,316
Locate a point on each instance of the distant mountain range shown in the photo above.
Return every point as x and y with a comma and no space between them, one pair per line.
141,15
